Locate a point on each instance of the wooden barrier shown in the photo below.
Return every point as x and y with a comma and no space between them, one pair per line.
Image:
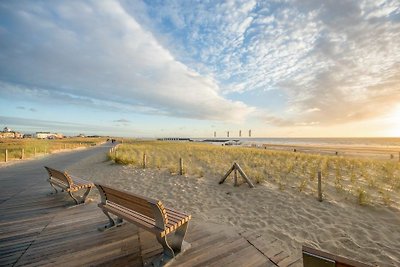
236,168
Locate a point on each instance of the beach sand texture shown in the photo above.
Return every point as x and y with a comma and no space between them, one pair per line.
364,233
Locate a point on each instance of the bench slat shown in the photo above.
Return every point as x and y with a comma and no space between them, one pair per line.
143,207
129,217
132,212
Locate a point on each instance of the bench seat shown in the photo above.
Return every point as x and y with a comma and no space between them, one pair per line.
168,225
69,184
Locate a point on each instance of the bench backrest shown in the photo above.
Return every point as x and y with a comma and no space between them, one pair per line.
316,258
62,176
151,208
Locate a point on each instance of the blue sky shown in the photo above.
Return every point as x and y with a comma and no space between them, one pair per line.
189,68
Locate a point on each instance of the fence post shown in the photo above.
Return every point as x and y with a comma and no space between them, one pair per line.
6,155
180,166
144,161
22,153
65,146
319,186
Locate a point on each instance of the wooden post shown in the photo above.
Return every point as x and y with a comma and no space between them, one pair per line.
144,160
6,155
236,168
319,187
22,153
235,178
65,146
180,166
240,170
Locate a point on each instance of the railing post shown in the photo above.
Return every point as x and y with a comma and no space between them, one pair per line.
6,155
180,166
319,186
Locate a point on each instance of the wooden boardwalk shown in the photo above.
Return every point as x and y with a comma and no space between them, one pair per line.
37,229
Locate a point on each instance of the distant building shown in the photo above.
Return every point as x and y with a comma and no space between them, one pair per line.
8,133
58,136
43,135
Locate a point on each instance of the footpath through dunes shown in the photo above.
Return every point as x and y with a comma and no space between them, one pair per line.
37,229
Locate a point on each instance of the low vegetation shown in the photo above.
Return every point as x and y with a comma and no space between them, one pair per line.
26,148
365,181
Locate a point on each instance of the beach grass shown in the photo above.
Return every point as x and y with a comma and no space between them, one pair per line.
34,147
365,181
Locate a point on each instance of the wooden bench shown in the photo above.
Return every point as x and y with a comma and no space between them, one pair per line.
316,258
168,225
69,184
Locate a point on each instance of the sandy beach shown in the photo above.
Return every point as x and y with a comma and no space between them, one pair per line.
365,233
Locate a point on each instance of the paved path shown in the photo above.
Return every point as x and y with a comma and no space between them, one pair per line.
25,174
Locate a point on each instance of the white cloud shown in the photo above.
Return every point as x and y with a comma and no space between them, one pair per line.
102,55
334,57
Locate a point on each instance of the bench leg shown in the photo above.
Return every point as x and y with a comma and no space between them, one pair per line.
110,224
74,198
176,239
86,194
55,189
168,252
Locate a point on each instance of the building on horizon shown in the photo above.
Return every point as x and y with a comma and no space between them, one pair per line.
48,135
8,133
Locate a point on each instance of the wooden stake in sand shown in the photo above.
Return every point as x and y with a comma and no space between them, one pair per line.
144,160
180,166
22,153
6,155
236,168
319,186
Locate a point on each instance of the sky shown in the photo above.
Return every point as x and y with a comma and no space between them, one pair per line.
290,68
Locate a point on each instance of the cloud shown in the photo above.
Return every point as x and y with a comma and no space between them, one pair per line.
122,120
30,125
102,55
336,61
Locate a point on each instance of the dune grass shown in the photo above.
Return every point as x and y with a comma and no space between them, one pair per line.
363,180
34,147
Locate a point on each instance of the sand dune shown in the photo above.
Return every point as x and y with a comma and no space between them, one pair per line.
368,234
